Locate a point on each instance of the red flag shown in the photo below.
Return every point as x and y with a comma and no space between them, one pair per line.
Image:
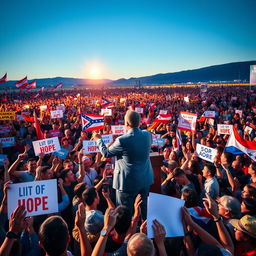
39,133
22,83
3,79
163,118
57,86
36,96
31,85
29,119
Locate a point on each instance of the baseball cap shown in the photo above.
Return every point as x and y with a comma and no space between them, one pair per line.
94,222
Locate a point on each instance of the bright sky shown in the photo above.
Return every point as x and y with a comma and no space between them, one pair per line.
122,38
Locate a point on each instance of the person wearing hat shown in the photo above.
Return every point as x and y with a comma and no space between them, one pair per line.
245,234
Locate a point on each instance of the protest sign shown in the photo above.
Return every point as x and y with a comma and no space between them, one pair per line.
248,130
206,153
106,112
161,207
90,146
62,153
20,118
187,121
158,142
56,114
209,114
38,197
224,128
118,129
4,129
2,158
46,146
7,142
239,112
139,110
43,107
7,115
163,112
60,108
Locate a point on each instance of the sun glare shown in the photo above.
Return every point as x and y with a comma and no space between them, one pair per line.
95,72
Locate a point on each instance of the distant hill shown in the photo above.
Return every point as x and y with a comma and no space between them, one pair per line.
224,72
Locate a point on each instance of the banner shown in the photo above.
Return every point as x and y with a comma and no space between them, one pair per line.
38,197
61,108
4,129
205,153
158,142
7,115
20,118
46,146
2,158
209,114
62,153
139,110
43,107
248,130
163,112
224,128
56,114
239,112
187,121
106,112
118,129
90,146
7,142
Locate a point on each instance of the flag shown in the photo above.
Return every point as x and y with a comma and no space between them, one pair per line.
42,89
209,114
238,145
200,215
203,102
57,86
22,83
29,119
178,138
36,96
106,103
163,118
152,126
91,122
3,79
152,106
39,133
31,85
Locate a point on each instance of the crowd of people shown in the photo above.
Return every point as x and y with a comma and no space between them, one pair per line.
219,216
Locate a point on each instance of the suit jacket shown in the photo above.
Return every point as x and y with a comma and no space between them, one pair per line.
133,170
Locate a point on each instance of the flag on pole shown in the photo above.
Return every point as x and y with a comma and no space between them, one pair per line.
163,118
106,103
39,133
31,85
91,122
178,138
36,96
22,83
57,86
3,79
238,145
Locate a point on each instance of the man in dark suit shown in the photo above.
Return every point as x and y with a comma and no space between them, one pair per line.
133,172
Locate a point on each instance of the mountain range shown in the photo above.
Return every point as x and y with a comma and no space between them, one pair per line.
218,73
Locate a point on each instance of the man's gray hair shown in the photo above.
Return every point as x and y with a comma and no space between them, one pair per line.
232,204
133,118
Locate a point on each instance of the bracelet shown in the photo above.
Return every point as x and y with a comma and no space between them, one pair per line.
136,219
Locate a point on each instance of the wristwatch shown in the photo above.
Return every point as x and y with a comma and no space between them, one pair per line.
104,232
11,235
218,219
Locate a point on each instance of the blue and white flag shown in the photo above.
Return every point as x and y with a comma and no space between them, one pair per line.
92,122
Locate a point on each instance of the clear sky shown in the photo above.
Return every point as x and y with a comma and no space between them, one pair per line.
122,38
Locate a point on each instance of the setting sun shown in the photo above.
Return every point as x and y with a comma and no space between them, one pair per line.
95,72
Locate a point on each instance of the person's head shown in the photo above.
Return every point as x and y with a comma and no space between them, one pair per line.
67,176
67,133
179,176
245,229
172,165
91,197
248,206
252,169
68,165
54,236
79,189
249,191
229,207
194,167
209,171
31,164
132,119
123,220
199,135
87,161
237,165
45,173
166,153
139,244
226,158
65,142
190,197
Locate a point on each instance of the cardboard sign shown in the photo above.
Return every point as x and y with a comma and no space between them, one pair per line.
46,146
209,114
206,153
4,129
38,197
7,115
61,108
224,128
56,114
239,112
43,107
139,110
118,129
2,158
163,112
106,112
158,142
248,130
187,121
62,153
90,146
7,142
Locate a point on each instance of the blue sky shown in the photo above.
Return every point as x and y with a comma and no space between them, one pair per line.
122,38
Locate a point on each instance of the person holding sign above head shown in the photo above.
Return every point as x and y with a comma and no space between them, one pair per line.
133,172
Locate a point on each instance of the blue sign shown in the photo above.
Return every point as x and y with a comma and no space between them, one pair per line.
61,153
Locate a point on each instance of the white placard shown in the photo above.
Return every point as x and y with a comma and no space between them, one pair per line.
248,129
163,112
38,197
61,108
209,114
43,107
186,99
187,121
7,142
56,114
118,129
161,207
106,112
239,112
224,128
211,121
139,110
46,146
206,153
90,146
